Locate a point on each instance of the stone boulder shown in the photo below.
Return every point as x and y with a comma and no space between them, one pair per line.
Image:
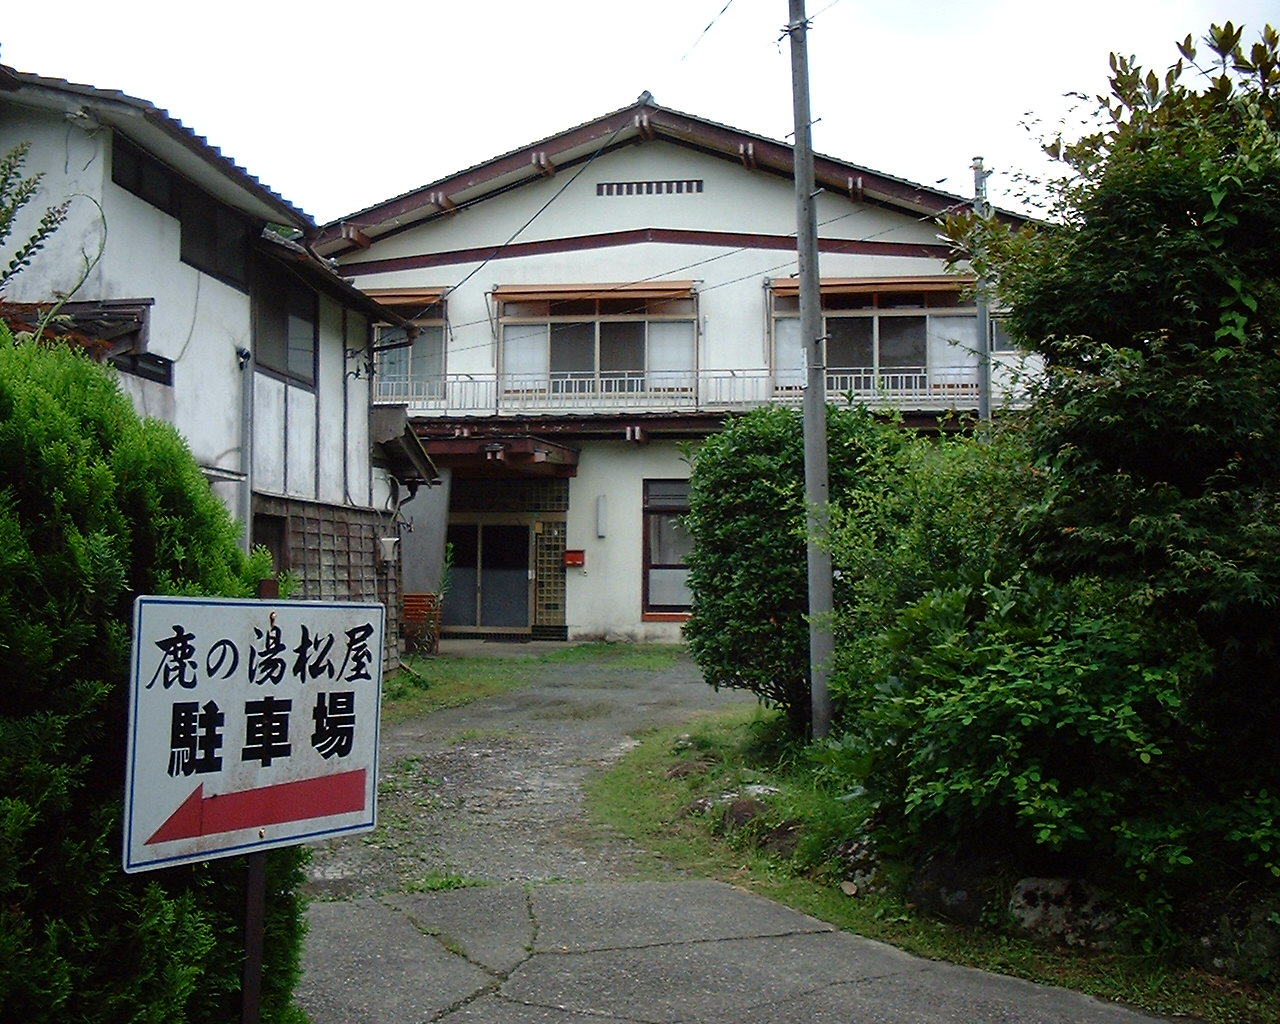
1062,912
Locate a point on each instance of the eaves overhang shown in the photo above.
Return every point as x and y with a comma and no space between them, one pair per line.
161,134
640,122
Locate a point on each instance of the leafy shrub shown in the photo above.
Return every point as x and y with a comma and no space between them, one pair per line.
747,570
97,506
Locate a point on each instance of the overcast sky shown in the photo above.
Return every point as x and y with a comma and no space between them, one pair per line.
339,106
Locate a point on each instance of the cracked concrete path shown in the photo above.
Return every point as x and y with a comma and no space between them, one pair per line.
565,934
641,953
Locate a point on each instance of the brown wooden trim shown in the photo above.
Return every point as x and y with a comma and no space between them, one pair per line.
594,290
644,121
640,236
789,286
665,617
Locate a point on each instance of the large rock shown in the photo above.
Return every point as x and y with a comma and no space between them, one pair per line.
1062,912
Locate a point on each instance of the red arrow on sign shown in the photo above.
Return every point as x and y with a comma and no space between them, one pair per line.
202,815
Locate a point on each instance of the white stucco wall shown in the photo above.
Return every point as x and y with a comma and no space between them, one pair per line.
605,600
197,321
733,328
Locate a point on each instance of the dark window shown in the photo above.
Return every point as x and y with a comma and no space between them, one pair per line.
213,238
271,532
285,321
137,172
666,546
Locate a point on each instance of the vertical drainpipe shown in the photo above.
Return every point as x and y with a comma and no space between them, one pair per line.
346,416
245,358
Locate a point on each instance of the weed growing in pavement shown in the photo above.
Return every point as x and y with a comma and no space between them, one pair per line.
441,881
445,681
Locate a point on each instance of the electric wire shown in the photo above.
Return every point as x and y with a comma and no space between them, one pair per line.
604,290
710,25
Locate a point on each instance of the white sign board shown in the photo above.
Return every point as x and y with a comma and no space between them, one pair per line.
252,725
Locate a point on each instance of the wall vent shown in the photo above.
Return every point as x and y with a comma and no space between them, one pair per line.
681,186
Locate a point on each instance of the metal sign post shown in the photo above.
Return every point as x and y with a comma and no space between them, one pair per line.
252,725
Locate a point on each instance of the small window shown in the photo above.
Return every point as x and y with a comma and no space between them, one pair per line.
667,545
213,238
138,172
1001,339
285,318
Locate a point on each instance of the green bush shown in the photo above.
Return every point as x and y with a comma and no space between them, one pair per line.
97,506
748,570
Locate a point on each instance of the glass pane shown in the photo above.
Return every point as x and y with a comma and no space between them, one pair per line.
573,348
533,308
669,542
670,307
669,494
900,300
622,346
622,307
902,341
953,341
302,347
671,345
524,350
393,364
861,300
788,353
849,342
1001,339
786,303
574,307
669,588
428,352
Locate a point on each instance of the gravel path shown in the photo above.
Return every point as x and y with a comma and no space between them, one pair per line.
493,791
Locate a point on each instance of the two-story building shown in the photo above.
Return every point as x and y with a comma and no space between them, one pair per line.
585,307
245,340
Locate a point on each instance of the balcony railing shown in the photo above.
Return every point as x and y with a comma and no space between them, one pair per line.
466,394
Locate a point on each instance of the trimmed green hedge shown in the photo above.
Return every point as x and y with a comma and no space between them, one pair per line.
97,506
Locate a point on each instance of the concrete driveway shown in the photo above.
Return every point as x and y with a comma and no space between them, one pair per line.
563,932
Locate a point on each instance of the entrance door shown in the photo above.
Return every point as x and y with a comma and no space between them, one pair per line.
489,577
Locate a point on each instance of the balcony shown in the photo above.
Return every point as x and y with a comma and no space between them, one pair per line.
466,394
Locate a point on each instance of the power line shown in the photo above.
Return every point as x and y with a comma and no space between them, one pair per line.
711,24
450,326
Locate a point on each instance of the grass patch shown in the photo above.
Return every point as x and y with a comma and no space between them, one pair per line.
724,752
441,881
445,681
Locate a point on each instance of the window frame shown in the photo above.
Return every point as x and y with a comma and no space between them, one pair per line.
652,509
262,271
434,316
875,311
200,216
603,381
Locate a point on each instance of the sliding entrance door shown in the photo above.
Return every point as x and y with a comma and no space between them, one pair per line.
489,580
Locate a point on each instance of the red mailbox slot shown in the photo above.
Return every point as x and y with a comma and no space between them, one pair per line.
575,559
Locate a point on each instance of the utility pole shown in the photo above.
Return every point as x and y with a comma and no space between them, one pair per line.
983,209
815,394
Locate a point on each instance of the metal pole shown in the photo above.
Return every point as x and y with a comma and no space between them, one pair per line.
255,897
982,209
815,395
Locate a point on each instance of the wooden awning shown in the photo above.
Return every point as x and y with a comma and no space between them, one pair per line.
867,285
397,297
594,290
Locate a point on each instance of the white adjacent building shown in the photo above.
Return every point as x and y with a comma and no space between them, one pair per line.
584,308
248,343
